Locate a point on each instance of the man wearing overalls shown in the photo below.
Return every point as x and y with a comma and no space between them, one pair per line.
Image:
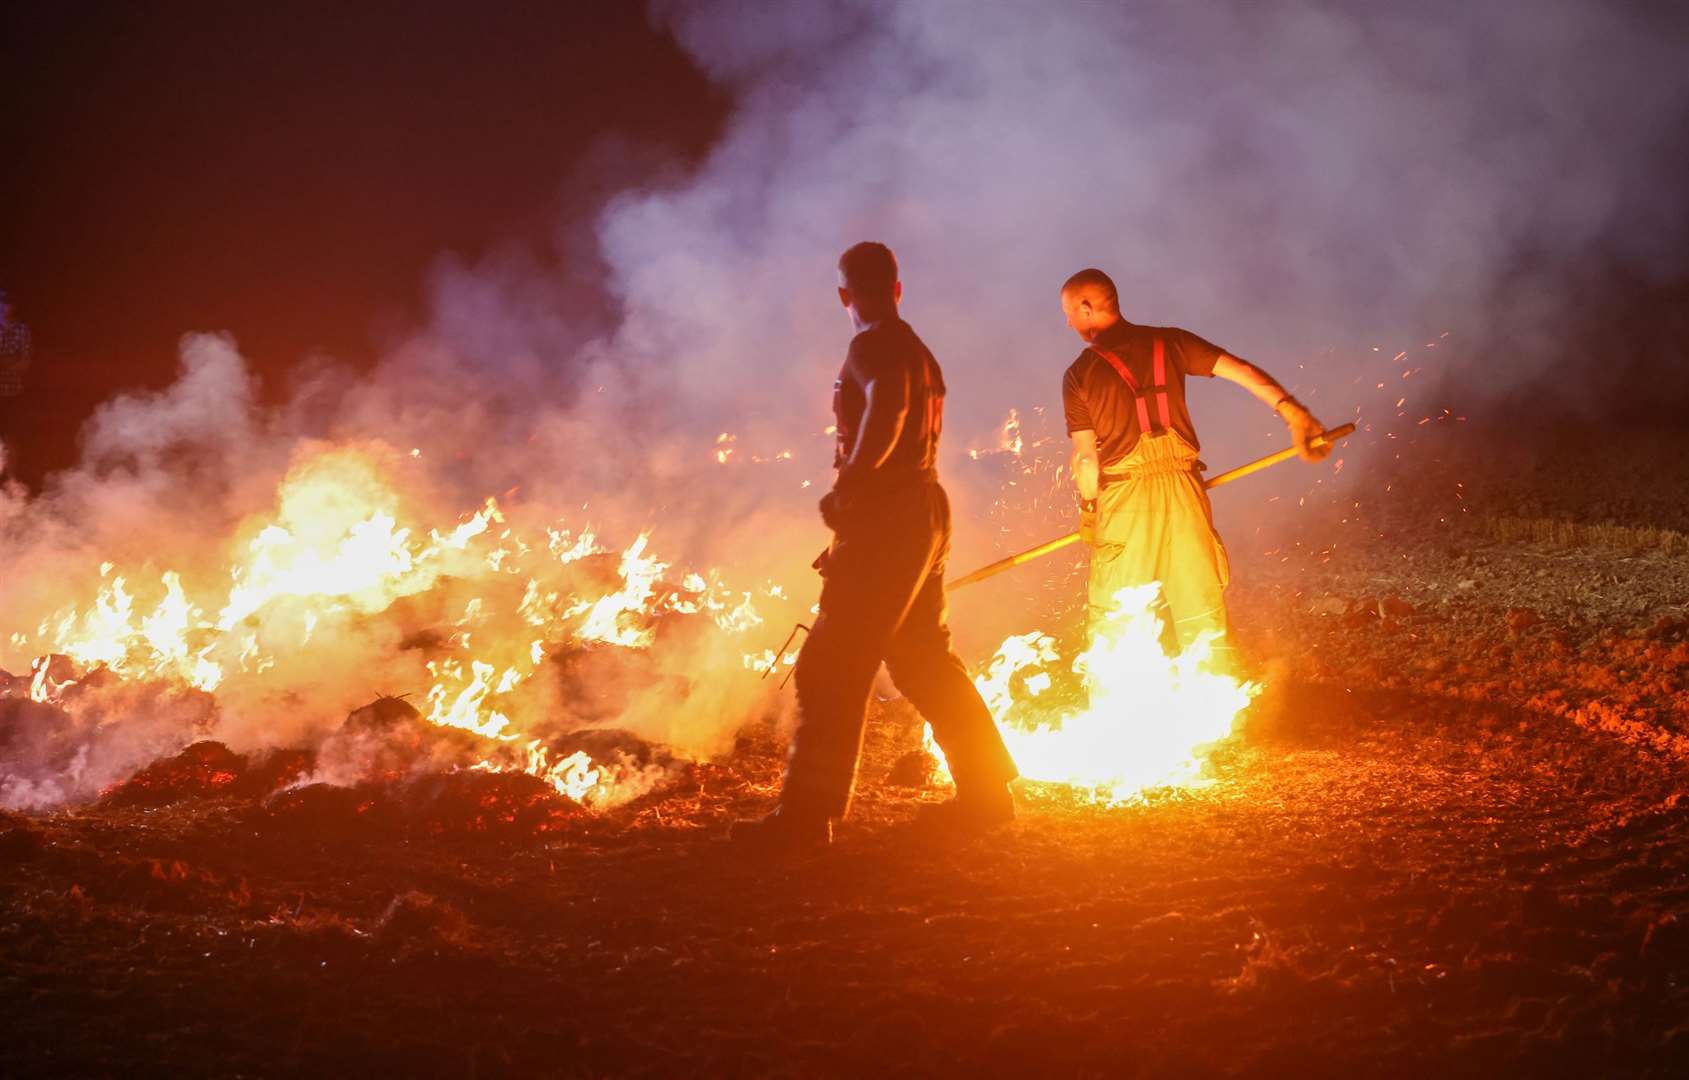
882,591
1143,509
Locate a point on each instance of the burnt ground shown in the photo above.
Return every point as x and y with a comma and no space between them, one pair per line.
1453,837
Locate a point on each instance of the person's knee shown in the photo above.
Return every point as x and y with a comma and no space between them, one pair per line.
929,676
911,679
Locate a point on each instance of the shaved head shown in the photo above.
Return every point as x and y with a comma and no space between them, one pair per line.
1090,303
1093,285
869,268
868,285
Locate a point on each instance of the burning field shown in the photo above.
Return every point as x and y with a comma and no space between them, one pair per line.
377,693
1440,818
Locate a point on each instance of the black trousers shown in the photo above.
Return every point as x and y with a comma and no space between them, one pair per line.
882,600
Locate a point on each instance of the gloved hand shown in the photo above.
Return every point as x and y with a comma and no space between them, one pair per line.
1088,522
1304,429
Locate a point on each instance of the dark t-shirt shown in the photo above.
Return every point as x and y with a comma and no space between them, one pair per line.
892,351
1096,398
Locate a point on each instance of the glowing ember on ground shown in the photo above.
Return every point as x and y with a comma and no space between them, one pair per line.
1149,718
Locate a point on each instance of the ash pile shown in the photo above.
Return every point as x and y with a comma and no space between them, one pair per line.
68,737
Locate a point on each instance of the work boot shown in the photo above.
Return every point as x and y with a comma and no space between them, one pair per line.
782,833
968,812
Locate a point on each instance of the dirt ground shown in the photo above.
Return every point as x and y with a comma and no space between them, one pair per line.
1454,837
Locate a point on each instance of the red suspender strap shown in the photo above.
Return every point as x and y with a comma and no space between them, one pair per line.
1125,374
1161,385
1118,365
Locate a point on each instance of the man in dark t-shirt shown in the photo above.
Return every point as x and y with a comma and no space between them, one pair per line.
882,592
1143,508
1096,397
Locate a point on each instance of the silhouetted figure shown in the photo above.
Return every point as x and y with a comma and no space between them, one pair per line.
882,593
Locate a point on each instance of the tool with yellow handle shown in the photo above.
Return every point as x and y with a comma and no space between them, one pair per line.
998,567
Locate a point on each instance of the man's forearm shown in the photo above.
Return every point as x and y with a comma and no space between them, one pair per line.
1086,475
1266,389
1303,427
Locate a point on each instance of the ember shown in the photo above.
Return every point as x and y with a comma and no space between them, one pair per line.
203,769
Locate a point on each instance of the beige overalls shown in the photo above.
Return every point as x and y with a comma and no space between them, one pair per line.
1155,524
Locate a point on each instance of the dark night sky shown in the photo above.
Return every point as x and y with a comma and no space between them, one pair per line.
290,172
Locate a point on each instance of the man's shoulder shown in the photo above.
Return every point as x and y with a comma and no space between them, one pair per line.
1139,339
1139,332
886,343
1196,353
1080,376
1172,335
889,332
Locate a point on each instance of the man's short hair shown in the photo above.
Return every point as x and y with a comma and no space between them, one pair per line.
1091,277
869,267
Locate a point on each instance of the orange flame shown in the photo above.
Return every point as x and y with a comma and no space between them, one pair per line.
1149,718
339,547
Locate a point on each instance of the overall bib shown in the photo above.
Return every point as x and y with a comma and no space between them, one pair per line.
1155,524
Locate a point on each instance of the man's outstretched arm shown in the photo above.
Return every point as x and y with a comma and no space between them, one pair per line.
1271,393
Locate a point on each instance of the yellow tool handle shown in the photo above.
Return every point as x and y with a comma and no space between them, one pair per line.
1286,454
993,569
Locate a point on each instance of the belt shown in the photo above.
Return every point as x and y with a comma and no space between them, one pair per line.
1154,469
903,477
894,479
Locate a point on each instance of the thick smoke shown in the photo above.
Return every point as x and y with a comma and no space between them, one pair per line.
1316,187
1303,184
